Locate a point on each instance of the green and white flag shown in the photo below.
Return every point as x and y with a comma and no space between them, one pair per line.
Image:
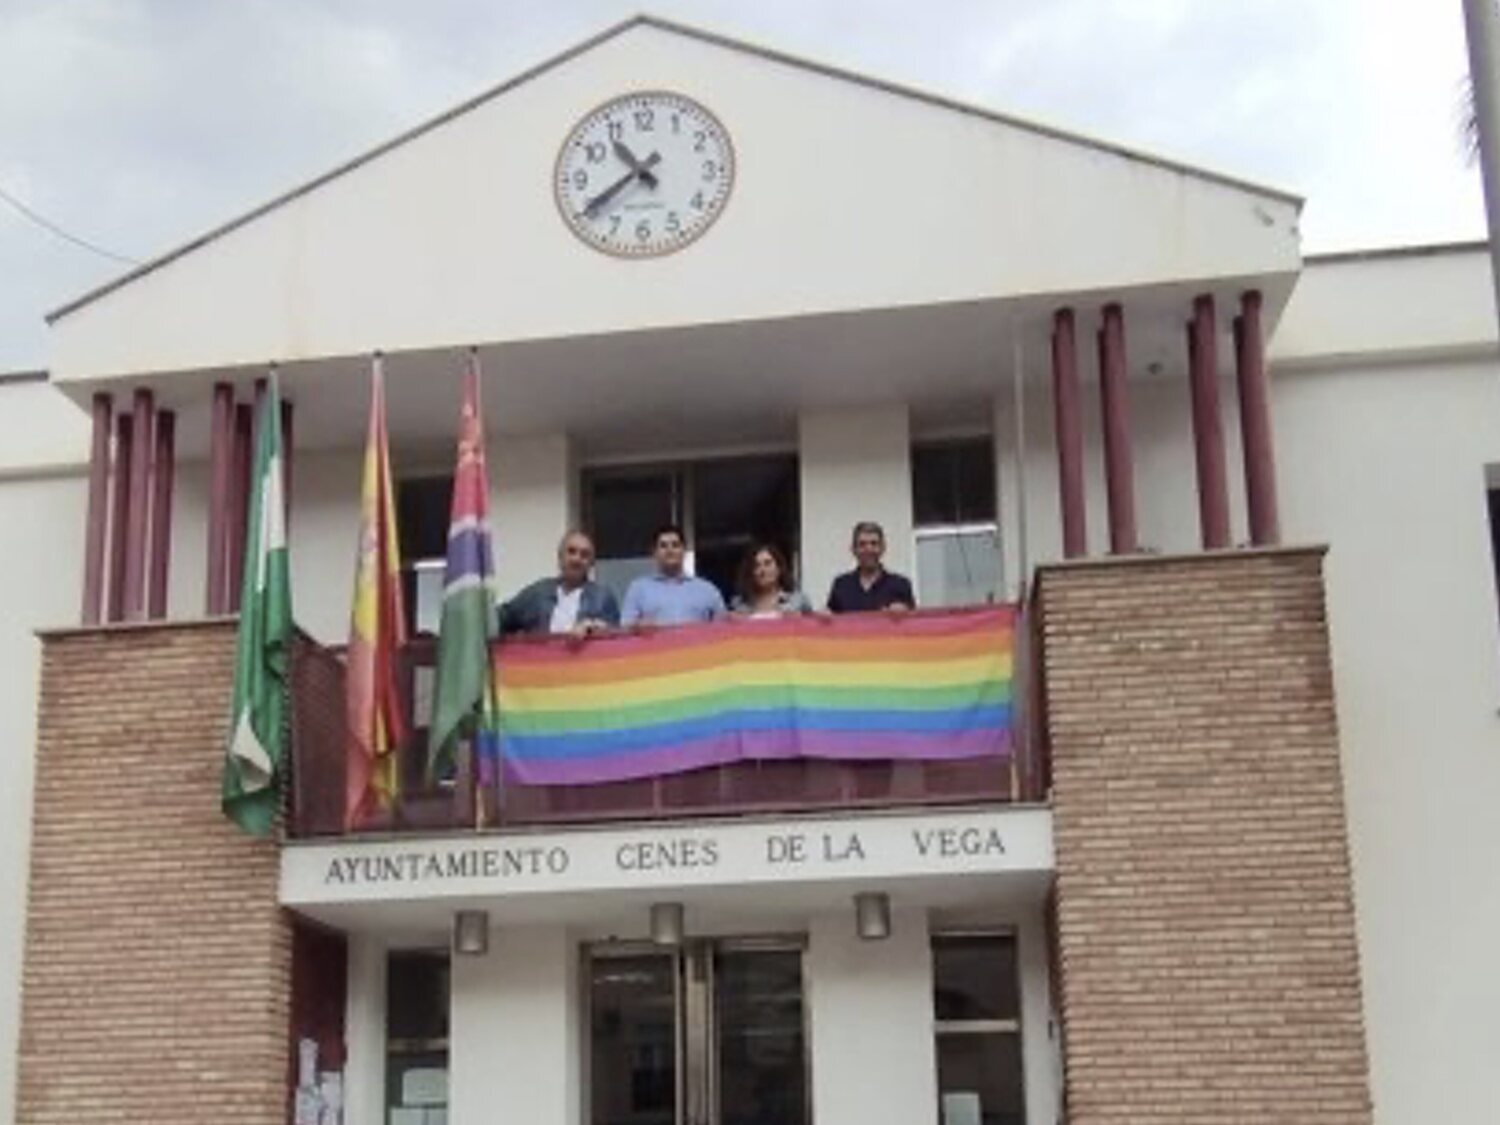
263,653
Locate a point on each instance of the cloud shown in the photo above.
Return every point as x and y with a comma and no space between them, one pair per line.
140,123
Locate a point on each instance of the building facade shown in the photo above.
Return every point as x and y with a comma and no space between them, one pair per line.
1236,863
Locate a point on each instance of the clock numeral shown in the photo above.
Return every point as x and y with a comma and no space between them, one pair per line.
676,123
645,120
700,140
580,179
594,150
614,225
643,231
710,169
616,130
674,225
696,203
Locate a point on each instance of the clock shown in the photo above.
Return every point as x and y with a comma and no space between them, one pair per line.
644,174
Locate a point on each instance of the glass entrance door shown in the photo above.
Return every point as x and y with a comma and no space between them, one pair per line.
708,1035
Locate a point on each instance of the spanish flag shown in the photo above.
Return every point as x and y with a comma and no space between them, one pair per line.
376,715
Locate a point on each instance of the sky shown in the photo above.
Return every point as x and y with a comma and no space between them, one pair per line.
137,124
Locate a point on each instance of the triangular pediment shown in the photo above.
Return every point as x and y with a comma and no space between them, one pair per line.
848,194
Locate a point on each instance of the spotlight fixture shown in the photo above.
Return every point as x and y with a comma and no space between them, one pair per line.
667,923
471,933
872,915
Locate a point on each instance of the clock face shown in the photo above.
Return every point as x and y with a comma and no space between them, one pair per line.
644,174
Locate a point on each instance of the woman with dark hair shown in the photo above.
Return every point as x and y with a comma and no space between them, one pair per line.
765,585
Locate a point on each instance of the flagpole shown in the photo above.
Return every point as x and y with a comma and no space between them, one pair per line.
489,704
463,735
474,764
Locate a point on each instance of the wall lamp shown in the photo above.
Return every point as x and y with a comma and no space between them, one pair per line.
471,933
667,925
872,915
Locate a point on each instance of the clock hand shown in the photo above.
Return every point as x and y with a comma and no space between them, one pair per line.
641,170
592,206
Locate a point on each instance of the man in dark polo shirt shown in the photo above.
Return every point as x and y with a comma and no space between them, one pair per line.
869,586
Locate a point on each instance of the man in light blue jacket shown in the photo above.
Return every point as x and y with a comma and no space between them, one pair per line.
671,596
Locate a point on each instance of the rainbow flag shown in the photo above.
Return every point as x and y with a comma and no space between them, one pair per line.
921,686
377,632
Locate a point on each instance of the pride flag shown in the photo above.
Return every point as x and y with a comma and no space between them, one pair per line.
377,632
921,686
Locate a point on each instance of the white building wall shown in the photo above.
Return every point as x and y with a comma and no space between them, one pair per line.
324,535
533,483
43,497
870,1016
365,1032
41,573
1386,464
515,1055
855,464
1041,1053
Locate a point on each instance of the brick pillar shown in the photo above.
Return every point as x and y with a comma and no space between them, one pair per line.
157,967
1205,925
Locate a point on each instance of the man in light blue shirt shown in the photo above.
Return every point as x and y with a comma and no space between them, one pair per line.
670,597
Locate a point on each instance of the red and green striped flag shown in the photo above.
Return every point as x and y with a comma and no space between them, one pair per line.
251,789
464,694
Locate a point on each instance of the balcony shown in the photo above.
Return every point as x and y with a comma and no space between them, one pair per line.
765,785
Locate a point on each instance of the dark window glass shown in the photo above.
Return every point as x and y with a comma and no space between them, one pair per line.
953,482
626,507
737,503
980,1068
1493,497
762,1060
974,977
422,514
417,990
633,1033
725,505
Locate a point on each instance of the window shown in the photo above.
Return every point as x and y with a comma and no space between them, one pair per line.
725,505
423,509
416,1068
711,1032
957,537
976,999
1492,498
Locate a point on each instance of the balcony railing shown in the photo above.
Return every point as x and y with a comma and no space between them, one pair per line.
737,788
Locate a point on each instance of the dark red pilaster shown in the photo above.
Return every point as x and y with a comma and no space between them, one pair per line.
1119,459
239,501
1068,414
162,473
1255,423
286,457
96,530
1208,426
119,516
220,455
143,415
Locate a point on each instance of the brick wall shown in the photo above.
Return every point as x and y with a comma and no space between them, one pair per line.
156,978
1205,927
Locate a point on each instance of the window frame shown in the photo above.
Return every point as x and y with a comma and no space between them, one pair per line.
683,473
926,532
979,1027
